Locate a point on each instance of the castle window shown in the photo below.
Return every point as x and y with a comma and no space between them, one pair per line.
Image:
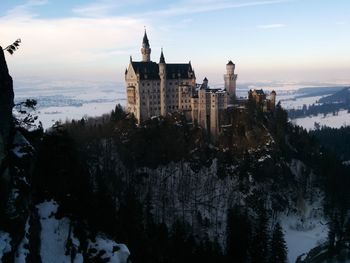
175,83
147,84
170,83
131,94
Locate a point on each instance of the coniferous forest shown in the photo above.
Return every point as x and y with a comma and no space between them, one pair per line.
109,175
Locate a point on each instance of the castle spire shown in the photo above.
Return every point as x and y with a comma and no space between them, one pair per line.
162,59
145,50
145,42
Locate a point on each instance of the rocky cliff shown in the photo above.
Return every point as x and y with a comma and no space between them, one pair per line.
6,105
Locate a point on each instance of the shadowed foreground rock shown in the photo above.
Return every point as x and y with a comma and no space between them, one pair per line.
6,103
6,125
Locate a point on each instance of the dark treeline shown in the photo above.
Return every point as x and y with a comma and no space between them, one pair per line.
336,140
316,109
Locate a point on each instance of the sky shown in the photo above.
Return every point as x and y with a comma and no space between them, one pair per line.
92,40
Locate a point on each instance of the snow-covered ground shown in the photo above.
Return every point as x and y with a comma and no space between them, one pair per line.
301,240
293,102
48,116
5,245
334,121
67,100
117,253
23,250
56,233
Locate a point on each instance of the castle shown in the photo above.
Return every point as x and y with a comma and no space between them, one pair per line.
155,89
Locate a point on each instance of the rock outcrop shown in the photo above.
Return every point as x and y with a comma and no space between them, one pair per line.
6,125
6,102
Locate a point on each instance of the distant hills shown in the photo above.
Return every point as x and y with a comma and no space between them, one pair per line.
342,96
317,91
331,104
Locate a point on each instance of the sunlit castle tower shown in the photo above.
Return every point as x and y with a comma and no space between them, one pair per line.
230,79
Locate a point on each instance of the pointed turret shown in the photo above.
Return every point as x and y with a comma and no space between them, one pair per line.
162,59
145,42
205,83
146,50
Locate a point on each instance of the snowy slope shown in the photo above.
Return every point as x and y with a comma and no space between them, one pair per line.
5,246
56,235
330,120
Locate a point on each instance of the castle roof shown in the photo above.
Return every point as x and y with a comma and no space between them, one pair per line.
230,63
178,71
259,92
146,70
150,70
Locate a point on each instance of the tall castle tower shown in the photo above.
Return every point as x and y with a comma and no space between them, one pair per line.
145,50
230,79
162,76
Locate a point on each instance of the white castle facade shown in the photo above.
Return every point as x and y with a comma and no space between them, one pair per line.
155,89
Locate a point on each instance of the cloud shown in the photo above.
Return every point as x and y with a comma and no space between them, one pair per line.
104,7
271,26
196,6
182,7
70,45
24,10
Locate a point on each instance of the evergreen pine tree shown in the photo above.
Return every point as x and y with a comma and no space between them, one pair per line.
238,235
278,248
259,244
